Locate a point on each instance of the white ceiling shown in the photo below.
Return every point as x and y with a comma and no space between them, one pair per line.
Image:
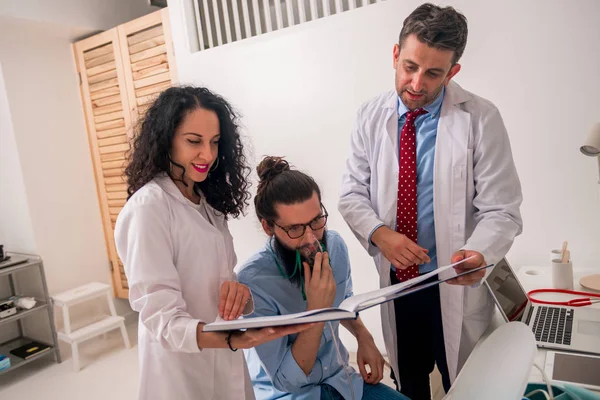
73,18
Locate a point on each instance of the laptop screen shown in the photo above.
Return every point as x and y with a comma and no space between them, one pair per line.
510,295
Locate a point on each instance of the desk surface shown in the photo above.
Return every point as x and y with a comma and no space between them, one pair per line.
535,278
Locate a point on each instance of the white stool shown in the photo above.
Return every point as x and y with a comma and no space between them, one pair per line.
78,295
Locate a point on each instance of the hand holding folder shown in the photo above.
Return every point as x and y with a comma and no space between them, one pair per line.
348,309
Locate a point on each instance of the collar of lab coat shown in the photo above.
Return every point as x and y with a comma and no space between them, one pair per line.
215,218
454,96
166,183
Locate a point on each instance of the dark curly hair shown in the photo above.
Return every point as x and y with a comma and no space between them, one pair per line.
226,187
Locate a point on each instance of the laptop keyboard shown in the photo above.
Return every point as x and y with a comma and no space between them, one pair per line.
553,325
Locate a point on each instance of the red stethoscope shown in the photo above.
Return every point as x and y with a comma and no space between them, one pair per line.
577,302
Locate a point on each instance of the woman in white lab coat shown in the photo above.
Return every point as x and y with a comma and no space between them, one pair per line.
476,203
186,176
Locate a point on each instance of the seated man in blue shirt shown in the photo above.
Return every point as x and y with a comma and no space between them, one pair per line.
291,274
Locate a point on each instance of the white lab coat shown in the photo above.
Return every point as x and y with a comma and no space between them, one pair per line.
175,261
477,195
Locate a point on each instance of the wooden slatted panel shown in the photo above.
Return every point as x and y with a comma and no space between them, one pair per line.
104,84
119,148
154,89
102,126
99,51
103,59
101,94
115,210
110,127
122,70
112,157
116,188
151,80
114,164
153,70
107,101
117,195
109,117
101,69
148,44
114,180
143,55
117,203
112,140
123,277
111,133
104,94
102,77
148,60
142,109
108,109
145,100
113,171
145,35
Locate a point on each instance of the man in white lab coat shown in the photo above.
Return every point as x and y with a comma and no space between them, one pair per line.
431,180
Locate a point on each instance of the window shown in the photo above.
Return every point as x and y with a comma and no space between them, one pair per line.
219,22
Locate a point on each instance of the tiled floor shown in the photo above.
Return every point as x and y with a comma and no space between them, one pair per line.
109,371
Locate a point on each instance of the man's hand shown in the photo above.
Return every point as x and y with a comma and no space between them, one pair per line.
475,262
398,249
368,354
319,284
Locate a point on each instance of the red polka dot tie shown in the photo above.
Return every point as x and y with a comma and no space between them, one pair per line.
406,214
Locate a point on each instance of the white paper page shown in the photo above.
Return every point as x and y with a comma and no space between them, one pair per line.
353,303
320,315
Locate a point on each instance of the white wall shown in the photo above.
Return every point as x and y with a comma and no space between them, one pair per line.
298,90
16,231
52,146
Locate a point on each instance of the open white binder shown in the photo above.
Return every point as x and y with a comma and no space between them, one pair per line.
348,309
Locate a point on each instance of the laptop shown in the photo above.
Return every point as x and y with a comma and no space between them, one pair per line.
555,327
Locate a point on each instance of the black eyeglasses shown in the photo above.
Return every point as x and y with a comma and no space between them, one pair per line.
298,230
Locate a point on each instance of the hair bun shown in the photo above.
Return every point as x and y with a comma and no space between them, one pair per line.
270,167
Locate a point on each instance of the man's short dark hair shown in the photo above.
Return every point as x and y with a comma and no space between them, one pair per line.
442,28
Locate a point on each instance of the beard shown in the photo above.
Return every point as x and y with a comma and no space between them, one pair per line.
288,256
427,98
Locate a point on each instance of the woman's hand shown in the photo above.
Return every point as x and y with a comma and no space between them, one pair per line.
234,297
255,337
